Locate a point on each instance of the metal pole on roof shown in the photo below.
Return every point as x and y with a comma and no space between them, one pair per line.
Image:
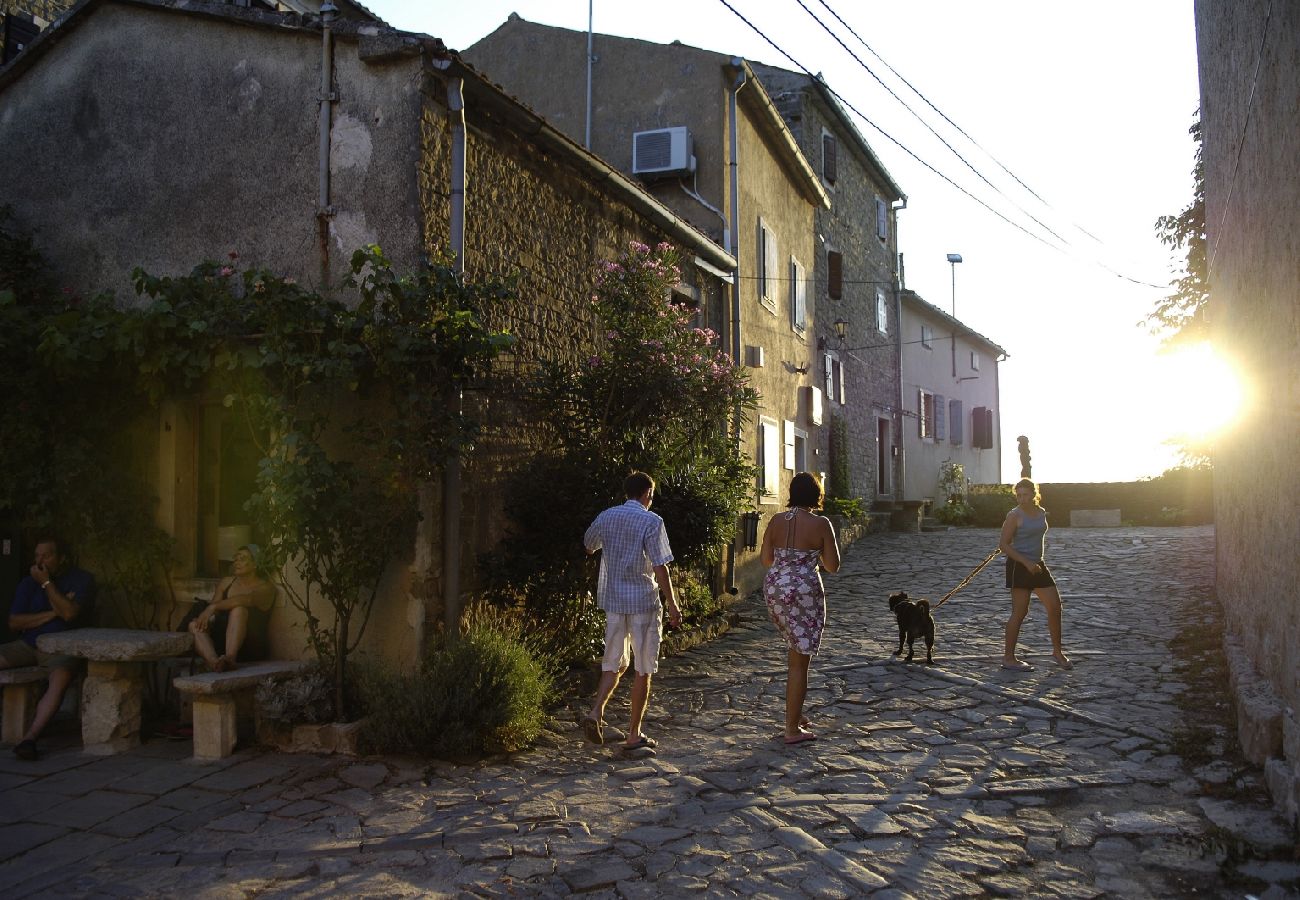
587,138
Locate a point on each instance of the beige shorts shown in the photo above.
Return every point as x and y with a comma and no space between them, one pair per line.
640,633
19,653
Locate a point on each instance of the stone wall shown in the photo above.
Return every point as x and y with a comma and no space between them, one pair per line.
1249,59
530,215
39,12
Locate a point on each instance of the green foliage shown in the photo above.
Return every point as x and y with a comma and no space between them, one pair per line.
990,504
68,457
483,693
305,697
848,507
657,396
696,599
954,512
839,483
349,407
1180,315
952,482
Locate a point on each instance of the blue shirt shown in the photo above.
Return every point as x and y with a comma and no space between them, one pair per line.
1031,535
77,585
633,541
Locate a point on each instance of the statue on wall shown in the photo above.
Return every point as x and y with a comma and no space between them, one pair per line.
1026,470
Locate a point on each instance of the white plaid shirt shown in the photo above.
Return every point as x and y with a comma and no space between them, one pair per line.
633,541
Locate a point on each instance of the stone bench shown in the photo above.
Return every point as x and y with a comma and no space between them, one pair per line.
216,697
22,689
1095,518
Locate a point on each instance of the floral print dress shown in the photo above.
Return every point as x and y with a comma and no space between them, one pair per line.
796,599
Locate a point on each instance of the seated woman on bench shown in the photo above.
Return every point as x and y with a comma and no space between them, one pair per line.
238,616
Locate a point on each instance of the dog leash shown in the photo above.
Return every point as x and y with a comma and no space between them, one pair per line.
967,580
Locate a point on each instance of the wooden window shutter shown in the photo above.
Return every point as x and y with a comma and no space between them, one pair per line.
835,274
828,373
829,152
940,417
955,423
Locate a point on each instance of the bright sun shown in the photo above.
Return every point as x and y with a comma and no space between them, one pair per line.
1201,394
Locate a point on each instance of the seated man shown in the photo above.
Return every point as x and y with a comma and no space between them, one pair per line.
56,596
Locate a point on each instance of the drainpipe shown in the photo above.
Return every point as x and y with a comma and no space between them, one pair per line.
328,13
451,480
732,129
586,143
900,488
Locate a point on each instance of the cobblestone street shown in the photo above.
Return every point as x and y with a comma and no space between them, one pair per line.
1119,778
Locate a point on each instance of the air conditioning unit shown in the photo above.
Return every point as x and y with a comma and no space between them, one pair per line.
663,153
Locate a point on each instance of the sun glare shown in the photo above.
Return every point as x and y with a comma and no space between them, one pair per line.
1202,393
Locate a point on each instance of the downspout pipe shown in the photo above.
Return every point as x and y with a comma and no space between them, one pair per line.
586,141
733,130
328,13
451,478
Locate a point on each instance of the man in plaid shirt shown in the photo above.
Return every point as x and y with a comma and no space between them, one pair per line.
633,572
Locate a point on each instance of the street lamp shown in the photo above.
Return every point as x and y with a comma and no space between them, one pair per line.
953,259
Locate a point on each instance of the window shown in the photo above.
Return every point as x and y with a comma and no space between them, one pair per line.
834,274
788,436
800,450
981,428
769,460
974,361
829,152
925,412
882,312
769,270
837,382
798,297
955,422
882,219
927,336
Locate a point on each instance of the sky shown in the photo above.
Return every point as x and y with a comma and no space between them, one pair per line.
1088,106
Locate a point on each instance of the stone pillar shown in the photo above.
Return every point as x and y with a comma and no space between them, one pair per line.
110,707
215,726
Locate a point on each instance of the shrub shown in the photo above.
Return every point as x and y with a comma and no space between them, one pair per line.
483,693
848,507
954,512
695,597
305,697
990,503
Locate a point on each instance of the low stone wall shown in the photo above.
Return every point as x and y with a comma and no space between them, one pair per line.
1181,497
1268,730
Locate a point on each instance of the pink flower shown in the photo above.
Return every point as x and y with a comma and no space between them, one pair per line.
227,270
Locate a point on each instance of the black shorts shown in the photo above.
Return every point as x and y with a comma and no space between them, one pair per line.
1020,577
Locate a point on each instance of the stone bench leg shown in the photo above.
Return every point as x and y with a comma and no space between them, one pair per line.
19,710
215,726
111,700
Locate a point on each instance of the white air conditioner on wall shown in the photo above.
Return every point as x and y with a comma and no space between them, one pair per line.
662,153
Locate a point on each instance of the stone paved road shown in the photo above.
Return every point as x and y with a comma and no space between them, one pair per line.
1116,779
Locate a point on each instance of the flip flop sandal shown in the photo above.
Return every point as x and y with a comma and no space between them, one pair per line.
643,743
800,739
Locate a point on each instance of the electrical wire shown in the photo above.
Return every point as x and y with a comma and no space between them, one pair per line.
927,165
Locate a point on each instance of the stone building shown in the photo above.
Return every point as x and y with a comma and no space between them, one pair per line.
856,284
951,398
159,133
704,135
1249,61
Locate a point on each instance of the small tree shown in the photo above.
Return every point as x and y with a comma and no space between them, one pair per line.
1180,315
656,395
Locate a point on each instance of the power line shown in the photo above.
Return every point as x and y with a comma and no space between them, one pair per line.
886,134
926,164
926,124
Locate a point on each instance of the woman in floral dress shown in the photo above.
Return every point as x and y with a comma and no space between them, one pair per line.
794,544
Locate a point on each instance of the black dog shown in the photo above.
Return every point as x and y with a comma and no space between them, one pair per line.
914,621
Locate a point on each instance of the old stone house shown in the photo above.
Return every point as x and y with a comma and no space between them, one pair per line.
856,285
950,395
161,133
1249,63
703,133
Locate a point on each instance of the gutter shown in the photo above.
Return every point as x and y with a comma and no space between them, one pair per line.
740,80
324,212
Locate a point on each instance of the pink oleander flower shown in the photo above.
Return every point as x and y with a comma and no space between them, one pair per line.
227,270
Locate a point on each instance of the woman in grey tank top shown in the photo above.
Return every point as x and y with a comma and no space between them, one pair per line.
1024,540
